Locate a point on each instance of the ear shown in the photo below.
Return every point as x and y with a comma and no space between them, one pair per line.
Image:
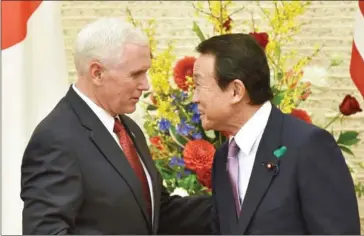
95,70
238,91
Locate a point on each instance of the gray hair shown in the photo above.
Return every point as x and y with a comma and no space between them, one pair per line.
104,40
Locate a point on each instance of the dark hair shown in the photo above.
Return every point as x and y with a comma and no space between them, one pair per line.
239,56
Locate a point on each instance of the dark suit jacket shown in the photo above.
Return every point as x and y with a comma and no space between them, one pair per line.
309,191
75,179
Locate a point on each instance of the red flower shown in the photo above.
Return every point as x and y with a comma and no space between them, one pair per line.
301,114
204,177
198,155
227,24
349,106
157,142
183,68
261,38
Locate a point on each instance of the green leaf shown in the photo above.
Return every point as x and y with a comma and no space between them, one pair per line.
277,50
279,76
348,138
191,181
149,128
198,31
346,149
278,98
151,108
359,189
361,165
210,134
179,139
167,174
146,94
186,101
188,182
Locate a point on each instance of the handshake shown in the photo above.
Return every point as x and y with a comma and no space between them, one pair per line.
87,168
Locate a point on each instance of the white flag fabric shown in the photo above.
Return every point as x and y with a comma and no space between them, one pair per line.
34,78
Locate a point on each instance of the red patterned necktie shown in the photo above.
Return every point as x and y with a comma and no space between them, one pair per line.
134,161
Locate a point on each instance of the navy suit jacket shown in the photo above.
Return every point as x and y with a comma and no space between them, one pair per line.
309,190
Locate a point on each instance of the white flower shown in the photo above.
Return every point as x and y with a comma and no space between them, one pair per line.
180,191
316,75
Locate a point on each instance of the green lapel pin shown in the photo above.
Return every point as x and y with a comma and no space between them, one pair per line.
280,151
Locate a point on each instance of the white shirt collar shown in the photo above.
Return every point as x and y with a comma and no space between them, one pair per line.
253,128
104,117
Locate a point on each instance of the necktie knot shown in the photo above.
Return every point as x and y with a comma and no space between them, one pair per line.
117,126
233,149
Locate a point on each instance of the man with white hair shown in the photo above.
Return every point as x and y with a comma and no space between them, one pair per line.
87,168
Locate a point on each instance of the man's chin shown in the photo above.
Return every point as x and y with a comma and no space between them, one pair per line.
205,126
130,109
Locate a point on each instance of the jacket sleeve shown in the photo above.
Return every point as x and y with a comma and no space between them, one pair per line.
326,188
189,215
50,186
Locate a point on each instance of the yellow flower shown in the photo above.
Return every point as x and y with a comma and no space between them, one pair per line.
161,71
217,14
166,110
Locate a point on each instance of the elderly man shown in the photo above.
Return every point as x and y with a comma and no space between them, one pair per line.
276,174
87,168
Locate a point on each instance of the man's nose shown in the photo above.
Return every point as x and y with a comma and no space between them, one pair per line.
144,84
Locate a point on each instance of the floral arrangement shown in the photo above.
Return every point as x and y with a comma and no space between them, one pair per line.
182,150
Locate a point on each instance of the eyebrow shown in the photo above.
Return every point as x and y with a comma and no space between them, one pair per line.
136,72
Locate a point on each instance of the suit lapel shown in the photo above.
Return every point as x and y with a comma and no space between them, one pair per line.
262,176
143,151
102,139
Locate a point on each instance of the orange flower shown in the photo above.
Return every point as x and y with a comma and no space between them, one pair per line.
291,78
183,68
349,106
301,114
305,94
198,155
204,177
157,142
306,84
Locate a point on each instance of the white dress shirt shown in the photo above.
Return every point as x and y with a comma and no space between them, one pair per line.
248,139
108,121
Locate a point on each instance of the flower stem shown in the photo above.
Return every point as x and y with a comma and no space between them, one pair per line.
333,120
